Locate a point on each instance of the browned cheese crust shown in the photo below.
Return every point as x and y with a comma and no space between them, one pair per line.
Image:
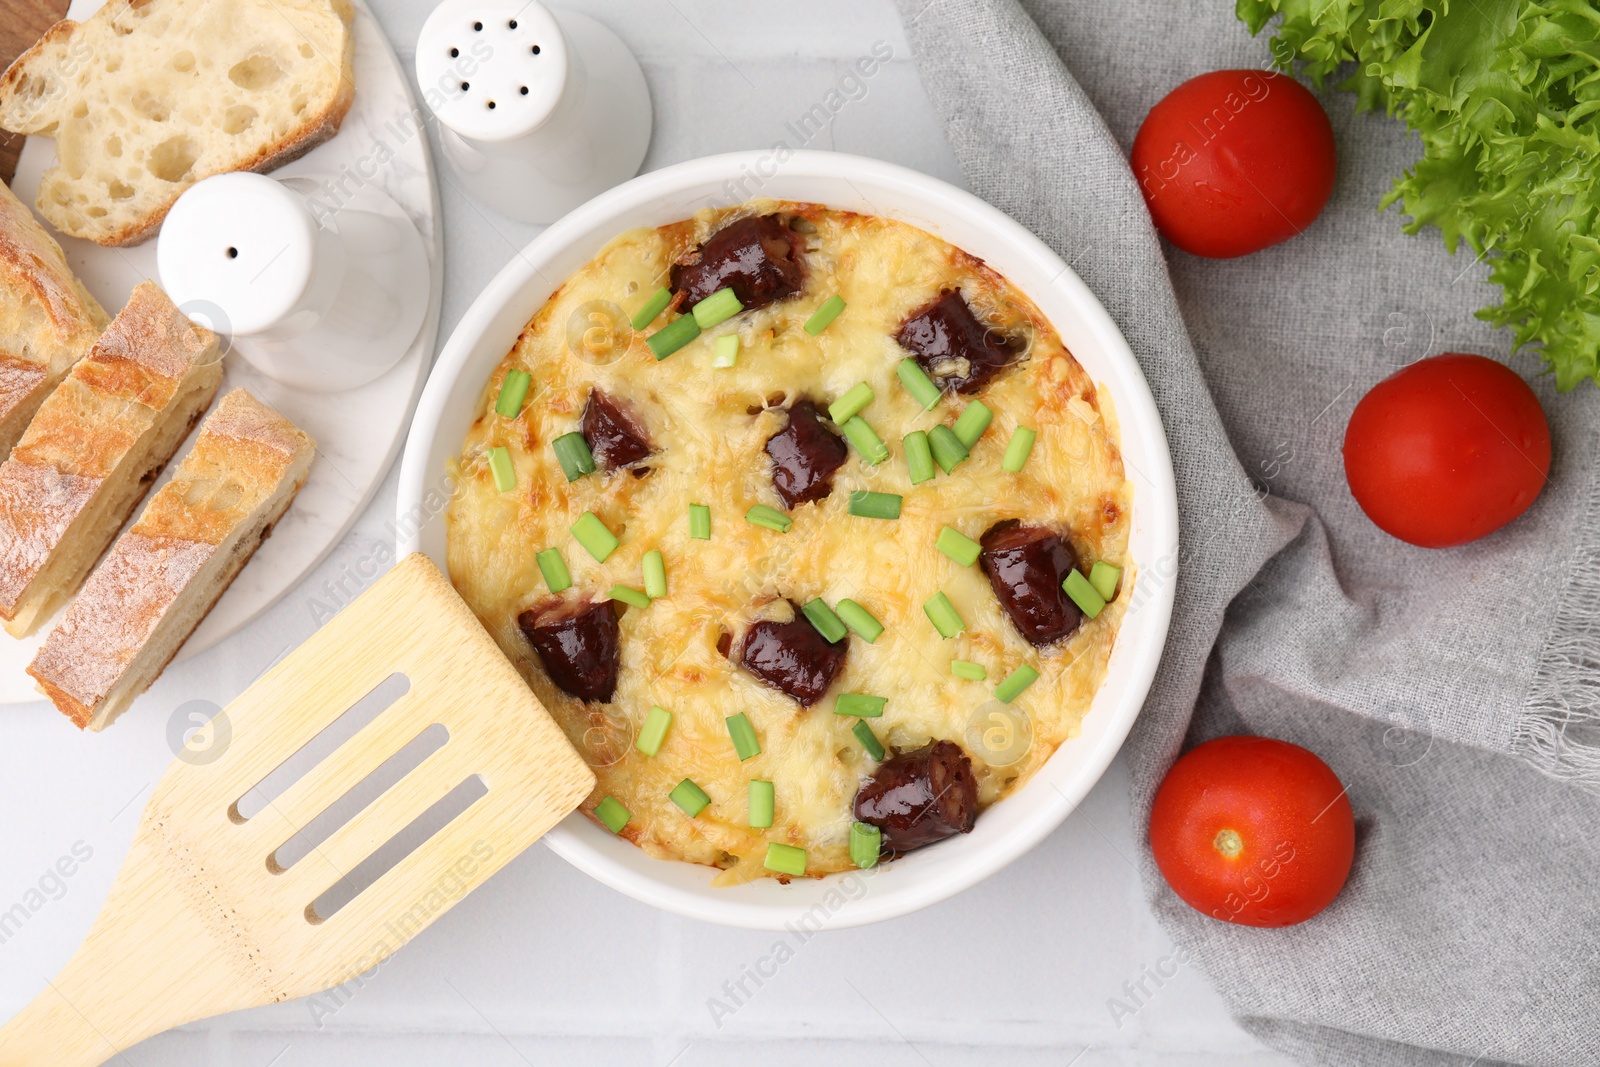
708,428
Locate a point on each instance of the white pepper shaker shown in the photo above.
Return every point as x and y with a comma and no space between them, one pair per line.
539,110
321,300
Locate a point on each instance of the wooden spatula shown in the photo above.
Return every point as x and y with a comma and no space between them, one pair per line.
202,921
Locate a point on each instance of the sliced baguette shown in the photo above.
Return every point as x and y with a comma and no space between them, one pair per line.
147,97
162,577
47,319
93,449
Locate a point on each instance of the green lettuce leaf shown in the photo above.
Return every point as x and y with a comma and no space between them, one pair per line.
1505,96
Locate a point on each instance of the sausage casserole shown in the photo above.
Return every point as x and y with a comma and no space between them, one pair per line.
785,640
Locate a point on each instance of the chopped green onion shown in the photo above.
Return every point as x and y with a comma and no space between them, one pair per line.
673,336
958,546
1104,577
654,305
972,672
948,451
699,522
786,859
761,804
513,391
860,620
874,505
654,731
1015,682
593,535
612,815
554,569
919,458
655,574
725,350
868,739
860,705
970,424
720,306
771,518
943,615
743,735
866,842
825,314
1017,451
690,797
851,403
918,384
1083,594
505,475
829,625
629,595
867,442
572,450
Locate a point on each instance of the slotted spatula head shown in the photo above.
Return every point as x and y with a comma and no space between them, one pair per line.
202,920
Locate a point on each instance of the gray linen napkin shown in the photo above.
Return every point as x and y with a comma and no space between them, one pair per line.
1437,684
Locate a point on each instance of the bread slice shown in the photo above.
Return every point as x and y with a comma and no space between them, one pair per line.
93,449
147,97
162,576
47,319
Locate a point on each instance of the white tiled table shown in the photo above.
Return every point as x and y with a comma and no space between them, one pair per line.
544,965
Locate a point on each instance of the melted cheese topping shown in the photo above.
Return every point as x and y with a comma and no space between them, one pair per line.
709,427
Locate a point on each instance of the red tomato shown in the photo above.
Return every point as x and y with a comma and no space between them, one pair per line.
1447,450
1233,161
1253,831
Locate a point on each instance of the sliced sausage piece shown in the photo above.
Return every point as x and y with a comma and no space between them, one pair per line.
917,798
804,454
578,642
615,436
792,658
956,350
757,257
1026,566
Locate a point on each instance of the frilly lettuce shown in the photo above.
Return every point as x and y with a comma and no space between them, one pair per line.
1505,96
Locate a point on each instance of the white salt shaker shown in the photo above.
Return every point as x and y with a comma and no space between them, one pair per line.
538,110
320,298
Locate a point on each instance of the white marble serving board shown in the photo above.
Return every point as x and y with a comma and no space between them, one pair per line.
358,432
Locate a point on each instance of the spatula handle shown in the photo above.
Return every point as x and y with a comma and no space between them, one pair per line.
54,1030
122,986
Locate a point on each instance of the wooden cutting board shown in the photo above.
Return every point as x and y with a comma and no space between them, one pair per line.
21,23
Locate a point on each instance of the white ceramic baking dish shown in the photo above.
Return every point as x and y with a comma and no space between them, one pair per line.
1006,830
